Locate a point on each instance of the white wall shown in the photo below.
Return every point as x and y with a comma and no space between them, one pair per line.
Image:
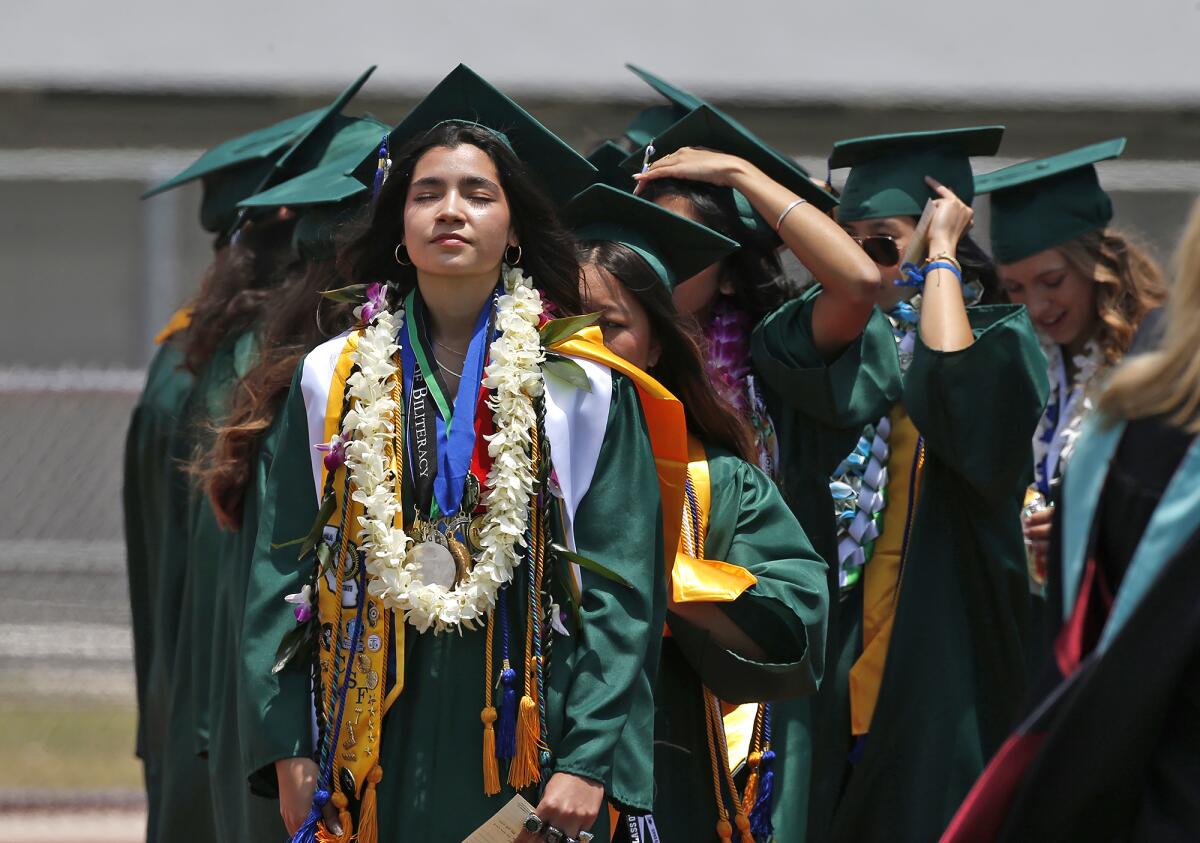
930,51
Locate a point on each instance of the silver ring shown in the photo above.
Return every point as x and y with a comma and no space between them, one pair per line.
553,834
533,823
586,837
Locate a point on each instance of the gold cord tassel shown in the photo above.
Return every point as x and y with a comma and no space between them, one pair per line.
525,769
324,835
491,767
754,760
368,814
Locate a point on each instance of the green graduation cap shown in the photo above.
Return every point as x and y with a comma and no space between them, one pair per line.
1039,204
653,121
709,127
465,96
887,175
326,196
607,158
242,166
329,180
675,247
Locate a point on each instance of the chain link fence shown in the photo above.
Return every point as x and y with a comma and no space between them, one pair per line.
67,706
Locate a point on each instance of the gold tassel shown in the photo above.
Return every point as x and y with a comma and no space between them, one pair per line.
724,831
324,835
368,813
743,825
751,791
491,767
525,769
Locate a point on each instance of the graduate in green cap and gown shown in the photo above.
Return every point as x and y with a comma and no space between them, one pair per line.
477,599
1087,287
150,484
204,803
711,169
1109,749
156,492
925,667
747,596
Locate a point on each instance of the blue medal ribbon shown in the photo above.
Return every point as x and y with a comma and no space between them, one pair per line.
455,442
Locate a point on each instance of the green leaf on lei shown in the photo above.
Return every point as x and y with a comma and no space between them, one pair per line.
557,330
297,642
328,505
354,294
590,564
566,370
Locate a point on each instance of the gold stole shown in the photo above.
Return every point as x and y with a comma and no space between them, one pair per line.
341,591
881,579
179,321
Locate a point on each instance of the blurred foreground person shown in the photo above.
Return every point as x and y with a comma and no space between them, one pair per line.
1112,751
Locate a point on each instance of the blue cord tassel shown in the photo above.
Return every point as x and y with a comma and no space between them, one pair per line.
761,825
380,169
760,815
307,833
506,726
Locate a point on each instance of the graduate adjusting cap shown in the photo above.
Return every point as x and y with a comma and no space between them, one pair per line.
653,121
887,175
466,97
709,127
1037,205
607,158
675,247
242,166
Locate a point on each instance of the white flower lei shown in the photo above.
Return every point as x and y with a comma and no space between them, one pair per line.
1071,403
514,374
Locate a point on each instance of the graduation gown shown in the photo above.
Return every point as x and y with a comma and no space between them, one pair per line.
954,672
784,612
152,534
242,816
1133,658
598,691
189,810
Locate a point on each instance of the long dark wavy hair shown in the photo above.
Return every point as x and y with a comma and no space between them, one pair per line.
681,366
297,321
237,287
547,249
754,271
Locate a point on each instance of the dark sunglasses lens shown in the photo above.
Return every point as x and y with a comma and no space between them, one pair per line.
882,250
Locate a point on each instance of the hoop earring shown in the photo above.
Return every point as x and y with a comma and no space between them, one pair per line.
400,246
509,261
320,328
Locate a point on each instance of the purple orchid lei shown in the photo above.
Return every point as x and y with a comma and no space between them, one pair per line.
729,352
732,373
376,302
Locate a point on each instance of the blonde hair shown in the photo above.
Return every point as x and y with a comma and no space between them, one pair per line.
1166,382
1129,285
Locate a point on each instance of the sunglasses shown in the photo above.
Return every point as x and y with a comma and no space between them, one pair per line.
880,248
